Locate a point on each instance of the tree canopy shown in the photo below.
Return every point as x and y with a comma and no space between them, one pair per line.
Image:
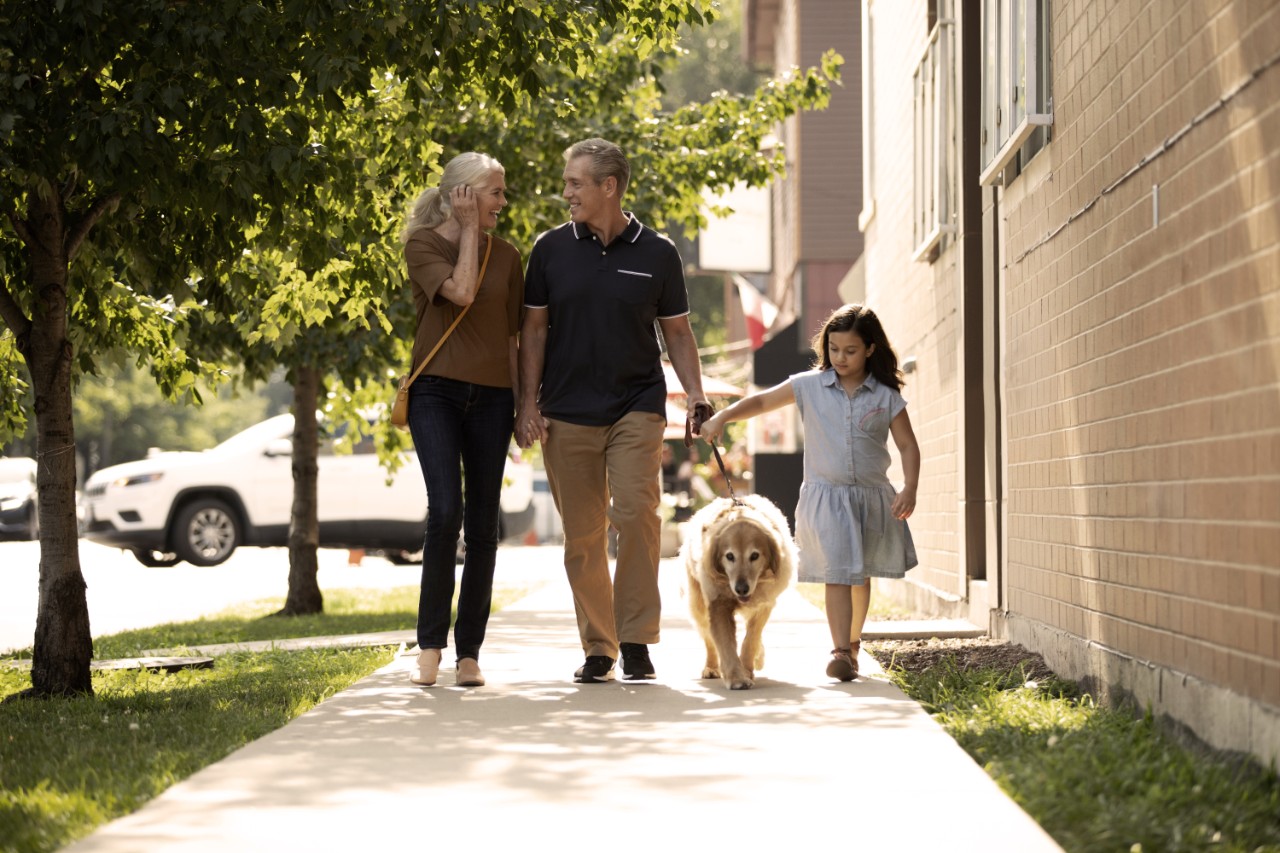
191,183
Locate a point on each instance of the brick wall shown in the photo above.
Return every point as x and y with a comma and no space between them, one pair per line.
1143,355
815,209
917,302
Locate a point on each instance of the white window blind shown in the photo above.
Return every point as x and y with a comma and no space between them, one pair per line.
933,208
1015,80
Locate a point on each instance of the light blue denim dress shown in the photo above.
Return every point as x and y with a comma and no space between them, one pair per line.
844,522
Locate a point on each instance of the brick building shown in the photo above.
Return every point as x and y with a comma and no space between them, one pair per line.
1070,215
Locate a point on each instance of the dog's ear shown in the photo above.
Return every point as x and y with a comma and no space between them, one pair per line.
711,552
718,554
773,554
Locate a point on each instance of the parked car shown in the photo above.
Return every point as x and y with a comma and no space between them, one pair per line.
19,516
200,507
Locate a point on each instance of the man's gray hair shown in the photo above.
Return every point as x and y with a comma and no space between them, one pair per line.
607,160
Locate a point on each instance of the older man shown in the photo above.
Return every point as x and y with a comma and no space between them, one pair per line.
592,391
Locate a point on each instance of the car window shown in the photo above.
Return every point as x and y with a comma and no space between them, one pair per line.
256,436
17,470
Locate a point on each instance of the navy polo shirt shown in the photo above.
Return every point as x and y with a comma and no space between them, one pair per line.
602,356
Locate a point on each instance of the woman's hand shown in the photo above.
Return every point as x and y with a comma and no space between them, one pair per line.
462,201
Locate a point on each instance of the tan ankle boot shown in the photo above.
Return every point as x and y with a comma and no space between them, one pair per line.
469,673
426,667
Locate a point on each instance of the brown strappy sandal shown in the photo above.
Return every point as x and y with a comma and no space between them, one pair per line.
844,663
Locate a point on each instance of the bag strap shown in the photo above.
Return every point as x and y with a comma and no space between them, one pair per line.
449,331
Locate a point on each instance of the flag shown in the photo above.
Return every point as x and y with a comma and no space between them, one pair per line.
758,311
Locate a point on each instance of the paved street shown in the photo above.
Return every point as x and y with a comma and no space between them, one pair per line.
124,594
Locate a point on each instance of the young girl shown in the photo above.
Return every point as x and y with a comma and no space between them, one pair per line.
850,524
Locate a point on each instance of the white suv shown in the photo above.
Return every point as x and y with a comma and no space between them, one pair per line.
199,507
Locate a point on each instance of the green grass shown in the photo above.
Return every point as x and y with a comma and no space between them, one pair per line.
69,765
346,611
1095,778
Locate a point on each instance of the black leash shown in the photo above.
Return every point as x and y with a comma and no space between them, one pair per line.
701,412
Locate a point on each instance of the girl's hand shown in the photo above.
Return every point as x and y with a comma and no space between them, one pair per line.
712,427
463,203
904,504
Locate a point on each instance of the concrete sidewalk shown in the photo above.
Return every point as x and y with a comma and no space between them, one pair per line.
532,759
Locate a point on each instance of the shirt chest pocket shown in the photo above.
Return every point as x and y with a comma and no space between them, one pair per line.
873,420
636,287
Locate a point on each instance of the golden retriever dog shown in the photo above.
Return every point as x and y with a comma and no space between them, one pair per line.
739,558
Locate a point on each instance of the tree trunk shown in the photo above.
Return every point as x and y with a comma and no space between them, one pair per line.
304,526
63,644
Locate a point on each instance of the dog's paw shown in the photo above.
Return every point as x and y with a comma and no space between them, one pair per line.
740,678
710,672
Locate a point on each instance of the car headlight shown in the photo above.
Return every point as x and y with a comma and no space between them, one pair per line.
7,504
137,479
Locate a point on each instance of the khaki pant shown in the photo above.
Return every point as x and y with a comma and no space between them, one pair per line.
586,467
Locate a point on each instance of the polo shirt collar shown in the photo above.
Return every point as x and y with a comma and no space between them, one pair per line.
831,380
630,233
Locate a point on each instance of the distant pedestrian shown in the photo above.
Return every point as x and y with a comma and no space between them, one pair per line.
594,394
462,406
850,524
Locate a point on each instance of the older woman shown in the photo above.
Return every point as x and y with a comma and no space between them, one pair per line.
461,407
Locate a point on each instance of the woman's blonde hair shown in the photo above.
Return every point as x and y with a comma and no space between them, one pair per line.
432,207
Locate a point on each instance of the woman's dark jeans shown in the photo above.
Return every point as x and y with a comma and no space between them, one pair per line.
459,426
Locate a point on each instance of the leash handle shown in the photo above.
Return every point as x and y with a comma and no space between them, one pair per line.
702,412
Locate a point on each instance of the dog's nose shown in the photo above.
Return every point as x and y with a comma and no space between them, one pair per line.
741,588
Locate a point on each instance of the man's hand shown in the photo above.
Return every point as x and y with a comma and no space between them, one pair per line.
699,412
531,426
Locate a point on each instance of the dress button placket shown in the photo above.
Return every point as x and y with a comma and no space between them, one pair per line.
849,437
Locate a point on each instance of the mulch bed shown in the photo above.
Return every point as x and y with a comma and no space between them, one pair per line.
969,654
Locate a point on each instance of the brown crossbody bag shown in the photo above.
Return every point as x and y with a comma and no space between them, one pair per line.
400,406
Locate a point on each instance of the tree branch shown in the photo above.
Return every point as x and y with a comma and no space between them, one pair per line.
19,226
10,311
82,227
12,314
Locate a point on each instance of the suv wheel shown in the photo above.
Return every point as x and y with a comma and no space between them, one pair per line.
205,532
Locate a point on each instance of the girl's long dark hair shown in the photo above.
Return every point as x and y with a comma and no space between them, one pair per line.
883,362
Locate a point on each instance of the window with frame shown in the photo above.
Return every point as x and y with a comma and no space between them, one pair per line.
1016,98
933,205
